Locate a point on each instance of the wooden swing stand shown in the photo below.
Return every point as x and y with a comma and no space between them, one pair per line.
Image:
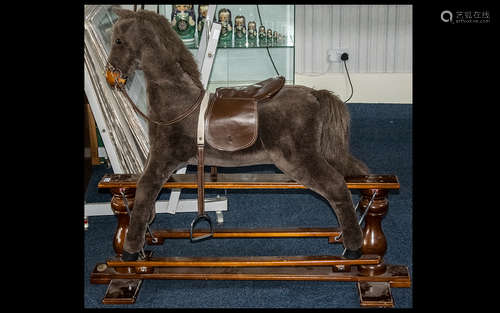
373,276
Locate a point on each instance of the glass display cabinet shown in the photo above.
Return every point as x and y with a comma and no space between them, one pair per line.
244,57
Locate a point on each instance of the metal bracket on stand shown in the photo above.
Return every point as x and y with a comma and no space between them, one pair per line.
205,58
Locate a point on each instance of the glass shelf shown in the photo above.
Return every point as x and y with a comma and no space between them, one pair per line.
258,47
248,47
279,18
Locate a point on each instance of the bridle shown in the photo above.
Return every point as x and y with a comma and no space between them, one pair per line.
119,84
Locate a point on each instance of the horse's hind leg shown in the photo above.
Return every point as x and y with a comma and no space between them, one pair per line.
148,187
351,167
314,172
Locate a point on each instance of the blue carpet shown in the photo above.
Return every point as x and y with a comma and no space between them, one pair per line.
381,135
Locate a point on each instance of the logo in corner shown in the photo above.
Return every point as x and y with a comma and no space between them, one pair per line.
466,16
447,16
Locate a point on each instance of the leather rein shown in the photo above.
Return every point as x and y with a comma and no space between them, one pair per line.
179,118
121,86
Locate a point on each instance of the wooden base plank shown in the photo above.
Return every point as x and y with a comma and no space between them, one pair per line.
397,275
246,261
375,294
122,291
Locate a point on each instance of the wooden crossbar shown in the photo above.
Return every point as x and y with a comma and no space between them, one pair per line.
246,181
331,233
296,232
247,261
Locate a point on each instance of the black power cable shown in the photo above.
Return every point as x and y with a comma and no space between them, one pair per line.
267,48
344,57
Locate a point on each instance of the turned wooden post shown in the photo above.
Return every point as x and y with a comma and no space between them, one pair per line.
374,241
120,211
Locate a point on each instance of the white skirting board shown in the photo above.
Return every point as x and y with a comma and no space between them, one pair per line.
368,87
185,205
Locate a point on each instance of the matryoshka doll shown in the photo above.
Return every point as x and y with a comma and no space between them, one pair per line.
269,37
240,31
202,17
183,22
252,34
262,36
275,38
226,32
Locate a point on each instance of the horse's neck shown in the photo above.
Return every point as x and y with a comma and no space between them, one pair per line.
176,90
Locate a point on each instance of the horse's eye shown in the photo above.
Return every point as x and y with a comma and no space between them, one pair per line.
118,41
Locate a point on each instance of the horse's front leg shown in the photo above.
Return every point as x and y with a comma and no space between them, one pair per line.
158,170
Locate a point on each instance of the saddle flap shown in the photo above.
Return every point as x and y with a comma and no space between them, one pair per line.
231,125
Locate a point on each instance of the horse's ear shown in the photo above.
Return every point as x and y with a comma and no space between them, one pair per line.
122,12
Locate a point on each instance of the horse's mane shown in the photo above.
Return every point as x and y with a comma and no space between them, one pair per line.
172,43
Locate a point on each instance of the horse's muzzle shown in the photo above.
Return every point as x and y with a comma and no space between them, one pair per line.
114,77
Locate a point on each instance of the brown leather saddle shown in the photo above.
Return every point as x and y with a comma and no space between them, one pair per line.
231,121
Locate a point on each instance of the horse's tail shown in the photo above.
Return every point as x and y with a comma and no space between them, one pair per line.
336,123
335,134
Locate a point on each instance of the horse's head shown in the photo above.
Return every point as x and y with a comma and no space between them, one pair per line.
145,40
126,42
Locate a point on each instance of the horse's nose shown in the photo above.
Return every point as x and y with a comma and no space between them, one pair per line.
114,77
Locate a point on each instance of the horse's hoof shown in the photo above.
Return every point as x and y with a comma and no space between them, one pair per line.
352,254
130,256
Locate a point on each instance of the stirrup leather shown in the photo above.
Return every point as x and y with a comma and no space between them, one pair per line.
200,140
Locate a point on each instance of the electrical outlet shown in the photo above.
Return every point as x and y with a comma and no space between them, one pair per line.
334,54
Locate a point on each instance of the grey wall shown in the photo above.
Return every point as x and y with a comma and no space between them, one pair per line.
378,38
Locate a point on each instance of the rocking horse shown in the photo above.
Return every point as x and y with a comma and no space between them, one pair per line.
302,131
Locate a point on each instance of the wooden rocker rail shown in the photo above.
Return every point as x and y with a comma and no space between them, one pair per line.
246,181
373,276
255,261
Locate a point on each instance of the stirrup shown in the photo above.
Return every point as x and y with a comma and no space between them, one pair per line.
196,220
